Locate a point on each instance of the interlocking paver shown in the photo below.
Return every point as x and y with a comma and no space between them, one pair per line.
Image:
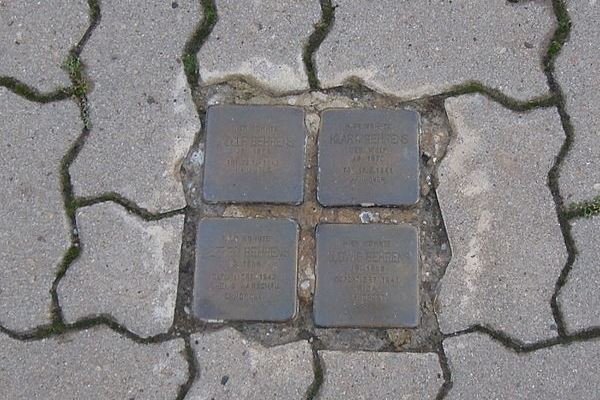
412,49
231,367
484,369
579,299
385,376
128,269
142,114
91,364
34,229
576,72
36,37
507,247
262,42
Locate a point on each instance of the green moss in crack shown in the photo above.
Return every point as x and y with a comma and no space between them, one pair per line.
585,209
561,33
499,97
190,66
322,28
74,67
195,42
31,94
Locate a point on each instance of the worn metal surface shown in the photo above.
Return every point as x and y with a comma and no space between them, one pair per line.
367,275
254,154
246,269
368,157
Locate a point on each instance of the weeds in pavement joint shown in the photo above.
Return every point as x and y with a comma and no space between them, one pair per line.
195,42
561,35
585,209
322,28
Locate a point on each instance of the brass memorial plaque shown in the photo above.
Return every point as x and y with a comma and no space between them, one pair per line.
254,154
246,269
367,276
368,157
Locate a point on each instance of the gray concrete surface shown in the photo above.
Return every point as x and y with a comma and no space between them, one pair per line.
576,71
382,376
507,248
143,118
128,269
580,297
492,185
34,230
232,367
94,363
483,369
261,41
36,37
412,49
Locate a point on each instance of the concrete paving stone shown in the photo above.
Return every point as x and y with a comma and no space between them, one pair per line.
482,368
36,37
507,246
128,269
261,41
142,114
34,229
411,49
577,72
384,376
91,364
579,299
231,367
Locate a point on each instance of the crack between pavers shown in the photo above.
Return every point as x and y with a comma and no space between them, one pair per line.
322,29
446,372
520,347
193,369
61,93
52,330
559,38
194,43
22,89
318,370
130,206
79,84
357,85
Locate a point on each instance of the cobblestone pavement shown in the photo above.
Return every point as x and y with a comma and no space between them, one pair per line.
103,107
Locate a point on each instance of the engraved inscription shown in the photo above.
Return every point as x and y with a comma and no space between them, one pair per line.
367,268
254,154
368,156
372,147
249,263
253,148
367,275
246,269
